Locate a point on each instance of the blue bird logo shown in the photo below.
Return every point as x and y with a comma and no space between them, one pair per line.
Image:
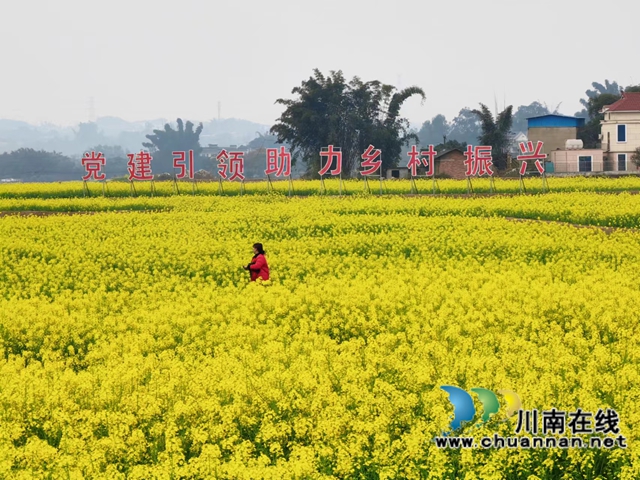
464,409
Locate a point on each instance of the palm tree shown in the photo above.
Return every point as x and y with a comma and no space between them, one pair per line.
611,88
598,89
162,144
393,131
352,116
495,132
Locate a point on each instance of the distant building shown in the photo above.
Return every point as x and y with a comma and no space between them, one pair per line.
515,139
577,160
399,172
451,164
553,130
212,150
621,133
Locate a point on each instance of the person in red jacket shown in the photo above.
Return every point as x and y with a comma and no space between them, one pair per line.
258,267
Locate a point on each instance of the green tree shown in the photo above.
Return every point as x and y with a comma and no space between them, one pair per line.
590,133
534,109
465,127
163,143
597,99
88,134
263,141
28,164
450,145
116,164
635,158
611,88
330,111
495,132
434,131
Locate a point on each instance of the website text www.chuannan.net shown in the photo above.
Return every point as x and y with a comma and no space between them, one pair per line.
497,441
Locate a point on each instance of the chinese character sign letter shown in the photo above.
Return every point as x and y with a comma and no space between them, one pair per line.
278,162
235,166
180,162
93,164
416,160
371,160
431,160
236,162
528,153
330,153
139,166
478,161
222,159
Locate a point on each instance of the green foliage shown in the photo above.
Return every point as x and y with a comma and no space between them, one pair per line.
635,157
28,164
116,157
434,131
465,127
163,143
611,88
88,134
263,141
495,132
596,104
451,145
589,134
534,109
330,111
462,130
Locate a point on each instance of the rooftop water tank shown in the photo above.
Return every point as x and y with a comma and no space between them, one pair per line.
573,145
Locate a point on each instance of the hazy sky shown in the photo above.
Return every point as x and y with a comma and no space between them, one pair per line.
144,59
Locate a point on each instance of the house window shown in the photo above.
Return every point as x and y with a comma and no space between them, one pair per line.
395,173
622,162
584,164
622,133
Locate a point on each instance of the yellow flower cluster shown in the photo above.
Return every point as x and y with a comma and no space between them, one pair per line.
133,345
330,186
607,210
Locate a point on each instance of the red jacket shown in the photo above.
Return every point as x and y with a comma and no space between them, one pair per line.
259,268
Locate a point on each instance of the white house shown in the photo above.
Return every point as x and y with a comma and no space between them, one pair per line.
621,133
514,141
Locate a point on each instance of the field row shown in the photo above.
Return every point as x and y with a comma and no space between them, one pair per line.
314,187
606,210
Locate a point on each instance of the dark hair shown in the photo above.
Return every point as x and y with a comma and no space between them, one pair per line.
258,246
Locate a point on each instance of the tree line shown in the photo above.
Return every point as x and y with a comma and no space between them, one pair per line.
329,109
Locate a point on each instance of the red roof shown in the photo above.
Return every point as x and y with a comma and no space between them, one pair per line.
630,102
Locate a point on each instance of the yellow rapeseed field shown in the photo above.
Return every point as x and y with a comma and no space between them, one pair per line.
133,345
332,186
